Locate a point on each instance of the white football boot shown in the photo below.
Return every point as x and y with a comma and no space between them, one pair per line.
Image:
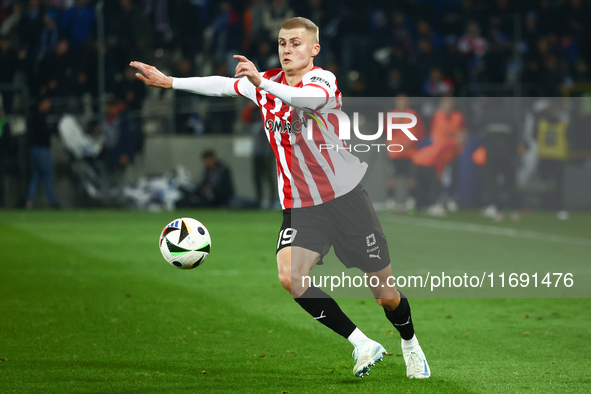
416,363
366,354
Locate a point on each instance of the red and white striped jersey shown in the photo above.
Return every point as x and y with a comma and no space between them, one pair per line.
307,175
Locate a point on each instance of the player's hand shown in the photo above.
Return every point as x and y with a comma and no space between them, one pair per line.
152,76
247,68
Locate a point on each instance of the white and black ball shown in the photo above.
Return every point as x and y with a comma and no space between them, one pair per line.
185,243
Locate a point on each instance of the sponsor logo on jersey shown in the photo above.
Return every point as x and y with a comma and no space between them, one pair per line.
322,80
283,126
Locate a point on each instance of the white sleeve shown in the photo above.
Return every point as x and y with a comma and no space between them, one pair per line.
244,88
216,86
318,87
323,80
207,86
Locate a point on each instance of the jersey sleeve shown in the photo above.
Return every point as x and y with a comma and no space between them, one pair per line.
216,86
321,79
310,95
243,87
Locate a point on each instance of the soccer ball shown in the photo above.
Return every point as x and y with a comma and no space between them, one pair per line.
185,243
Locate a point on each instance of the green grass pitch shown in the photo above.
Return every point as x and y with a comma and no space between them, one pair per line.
88,305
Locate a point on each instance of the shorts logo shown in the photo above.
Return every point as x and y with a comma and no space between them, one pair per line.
370,239
375,255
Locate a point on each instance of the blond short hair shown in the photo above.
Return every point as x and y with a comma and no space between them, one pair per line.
301,23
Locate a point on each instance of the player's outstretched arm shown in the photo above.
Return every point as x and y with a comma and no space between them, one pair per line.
207,86
151,76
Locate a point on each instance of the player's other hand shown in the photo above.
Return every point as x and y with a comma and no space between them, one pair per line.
151,76
247,68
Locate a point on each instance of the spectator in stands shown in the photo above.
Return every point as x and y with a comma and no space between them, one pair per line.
401,32
187,25
123,138
426,59
502,144
274,15
264,169
428,185
216,188
552,145
401,184
30,26
531,32
437,84
78,22
49,38
132,90
12,21
266,56
395,84
5,149
552,76
448,135
9,63
472,42
188,120
499,51
157,12
129,35
546,16
455,64
221,120
40,142
581,72
227,32
380,35
254,30
316,11
55,74
426,32
575,16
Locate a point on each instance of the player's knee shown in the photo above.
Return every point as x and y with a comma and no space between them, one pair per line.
285,280
388,303
284,268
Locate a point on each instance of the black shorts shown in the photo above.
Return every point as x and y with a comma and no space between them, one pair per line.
349,223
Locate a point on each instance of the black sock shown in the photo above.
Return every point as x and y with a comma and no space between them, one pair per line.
325,310
401,319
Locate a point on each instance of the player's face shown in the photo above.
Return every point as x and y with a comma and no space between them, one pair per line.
297,49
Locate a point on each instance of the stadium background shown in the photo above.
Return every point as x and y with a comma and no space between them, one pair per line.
75,52
87,304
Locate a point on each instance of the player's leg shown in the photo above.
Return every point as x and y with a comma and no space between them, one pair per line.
397,311
294,265
361,243
294,277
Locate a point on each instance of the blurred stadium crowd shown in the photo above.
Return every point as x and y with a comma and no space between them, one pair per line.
54,54
419,47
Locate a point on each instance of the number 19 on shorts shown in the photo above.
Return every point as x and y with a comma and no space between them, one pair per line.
286,237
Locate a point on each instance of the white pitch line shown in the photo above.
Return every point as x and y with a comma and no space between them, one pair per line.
484,229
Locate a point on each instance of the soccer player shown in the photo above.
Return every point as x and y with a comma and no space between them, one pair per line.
315,189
